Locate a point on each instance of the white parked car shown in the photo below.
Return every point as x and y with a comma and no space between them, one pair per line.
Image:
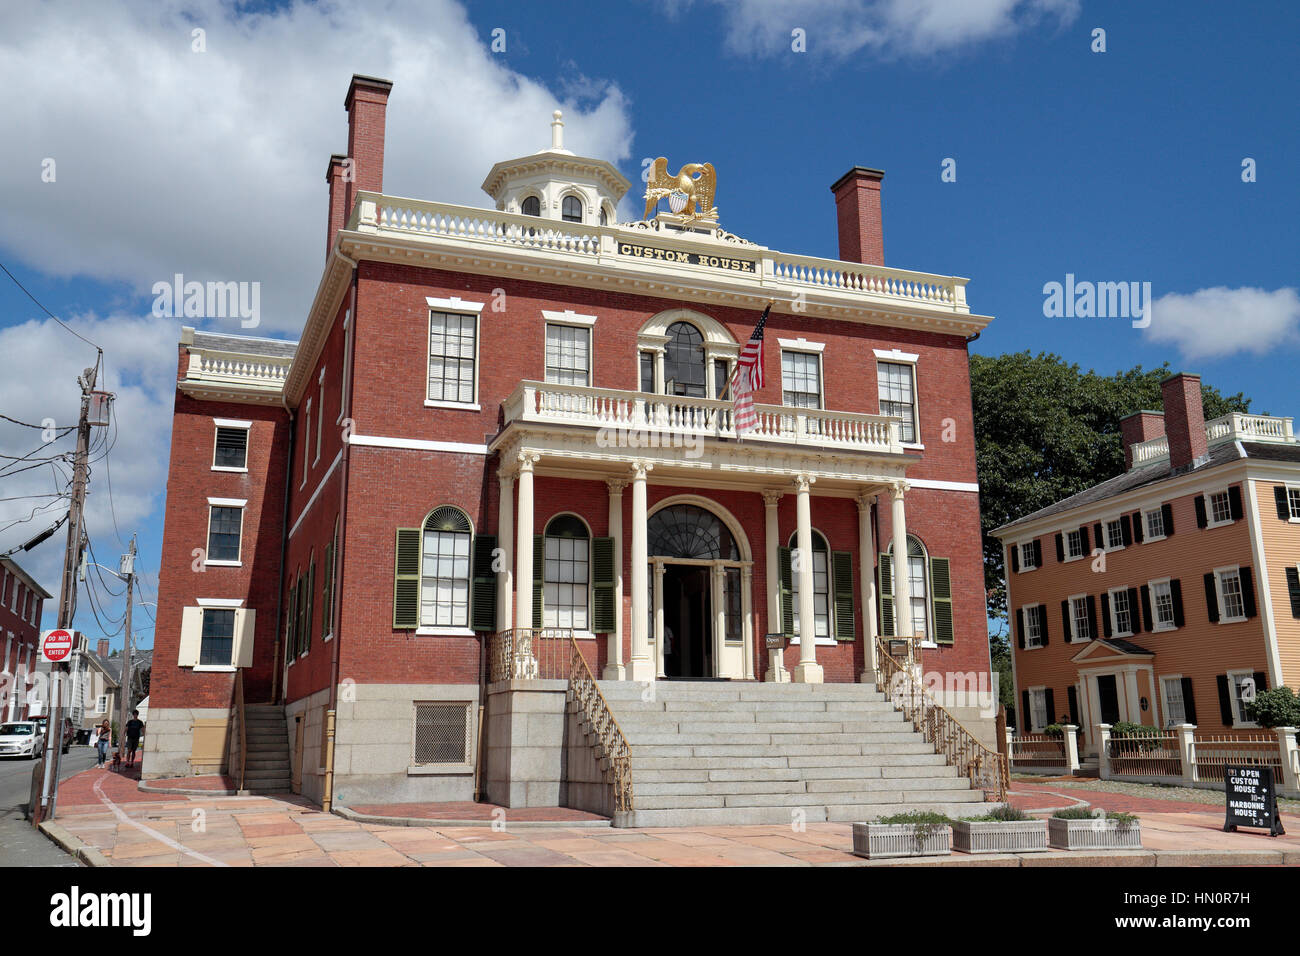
22,738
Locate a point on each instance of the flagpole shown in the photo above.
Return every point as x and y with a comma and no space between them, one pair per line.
736,371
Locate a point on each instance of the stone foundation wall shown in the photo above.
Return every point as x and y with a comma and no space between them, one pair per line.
169,740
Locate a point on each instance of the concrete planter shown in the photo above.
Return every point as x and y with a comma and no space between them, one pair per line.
999,836
881,840
1093,835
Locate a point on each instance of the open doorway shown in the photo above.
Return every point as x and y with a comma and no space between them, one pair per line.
688,630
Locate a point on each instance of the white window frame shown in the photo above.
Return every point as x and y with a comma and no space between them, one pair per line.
1037,696
1210,521
1164,698
1065,544
1074,637
829,638
1026,562
101,703
1290,487
573,320
306,444
247,426
242,505
898,357
220,604
1147,536
449,630
1238,714
463,307
1114,613
1042,609
1119,530
1219,593
1156,625
581,632
804,347
320,414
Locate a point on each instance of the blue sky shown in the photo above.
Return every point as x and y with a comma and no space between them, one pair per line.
1117,166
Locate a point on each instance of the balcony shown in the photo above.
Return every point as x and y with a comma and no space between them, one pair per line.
618,416
1232,427
238,368
654,257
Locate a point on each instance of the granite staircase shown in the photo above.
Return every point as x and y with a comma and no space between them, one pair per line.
705,753
266,766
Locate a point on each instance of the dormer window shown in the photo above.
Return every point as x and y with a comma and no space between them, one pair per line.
532,206
571,209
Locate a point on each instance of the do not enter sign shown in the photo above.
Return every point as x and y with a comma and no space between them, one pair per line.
56,645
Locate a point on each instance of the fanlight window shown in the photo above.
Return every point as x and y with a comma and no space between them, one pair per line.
571,209
445,569
684,361
918,590
567,573
689,531
532,206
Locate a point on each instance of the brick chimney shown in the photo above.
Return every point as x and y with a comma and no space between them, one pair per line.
857,211
1184,419
1139,427
366,103
102,649
338,190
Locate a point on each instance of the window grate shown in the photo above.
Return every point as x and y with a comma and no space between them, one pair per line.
442,733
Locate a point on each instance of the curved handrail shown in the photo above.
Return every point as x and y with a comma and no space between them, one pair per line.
587,694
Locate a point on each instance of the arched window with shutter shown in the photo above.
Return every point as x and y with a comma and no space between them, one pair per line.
443,575
930,591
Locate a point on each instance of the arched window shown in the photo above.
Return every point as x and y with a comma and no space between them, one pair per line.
684,361
918,582
689,531
445,569
821,585
532,206
567,575
604,216
571,209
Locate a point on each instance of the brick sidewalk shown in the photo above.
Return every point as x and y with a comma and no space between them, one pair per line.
134,828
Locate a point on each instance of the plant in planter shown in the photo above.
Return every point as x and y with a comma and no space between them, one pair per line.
1091,828
1002,830
1054,730
915,833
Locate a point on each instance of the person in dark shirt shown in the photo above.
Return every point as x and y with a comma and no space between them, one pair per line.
134,728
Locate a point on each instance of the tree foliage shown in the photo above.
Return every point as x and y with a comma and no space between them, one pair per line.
1045,430
1278,707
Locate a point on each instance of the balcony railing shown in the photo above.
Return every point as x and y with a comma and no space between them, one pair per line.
1231,427
229,368
641,419
774,273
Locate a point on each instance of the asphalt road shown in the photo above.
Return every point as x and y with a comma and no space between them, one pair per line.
21,844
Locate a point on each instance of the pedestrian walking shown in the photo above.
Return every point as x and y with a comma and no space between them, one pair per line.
103,737
134,730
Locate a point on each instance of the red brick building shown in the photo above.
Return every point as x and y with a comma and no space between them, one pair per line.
21,603
515,417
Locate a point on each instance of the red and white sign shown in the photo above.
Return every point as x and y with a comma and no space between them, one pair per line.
56,646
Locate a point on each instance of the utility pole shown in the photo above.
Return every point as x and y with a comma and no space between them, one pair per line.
128,572
67,597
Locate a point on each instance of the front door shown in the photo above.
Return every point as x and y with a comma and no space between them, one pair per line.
688,622
1108,699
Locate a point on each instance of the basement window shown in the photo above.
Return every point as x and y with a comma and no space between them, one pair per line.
442,734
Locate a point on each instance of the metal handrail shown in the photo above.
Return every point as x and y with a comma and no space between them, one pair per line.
586,693
961,748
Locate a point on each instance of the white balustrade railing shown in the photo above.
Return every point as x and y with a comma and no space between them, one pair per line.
1234,426
660,417
232,368
772,271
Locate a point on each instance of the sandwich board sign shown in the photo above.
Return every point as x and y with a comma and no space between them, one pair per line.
1251,799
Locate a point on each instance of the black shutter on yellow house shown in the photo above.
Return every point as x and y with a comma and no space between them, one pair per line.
941,599
406,579
842,581
602,585
483,589
786,571
539,576
885,578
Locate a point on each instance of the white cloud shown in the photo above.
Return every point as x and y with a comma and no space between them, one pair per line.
1219,322
213,164
884,28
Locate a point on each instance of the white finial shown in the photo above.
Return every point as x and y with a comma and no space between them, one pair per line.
557,130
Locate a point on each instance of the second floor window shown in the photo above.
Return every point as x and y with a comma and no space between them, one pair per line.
801,379
571,209
568,355
1035,618
532,206
1233,603
1074,544
1082,623
218,641
224,525
898,396
1155,521
684,361
1119,606
452,357
1162,605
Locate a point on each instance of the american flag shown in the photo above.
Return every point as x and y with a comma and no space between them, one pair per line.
749,377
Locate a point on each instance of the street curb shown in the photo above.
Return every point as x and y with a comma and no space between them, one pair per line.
189,792
349,814
84,852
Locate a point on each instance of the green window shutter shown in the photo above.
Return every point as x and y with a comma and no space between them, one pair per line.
311,604
786,570
885,577
290,635
406,579
327,592
842,577
299,643
602,585
483,589
941,599
539,573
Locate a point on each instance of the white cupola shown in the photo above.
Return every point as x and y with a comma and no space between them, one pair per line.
553,183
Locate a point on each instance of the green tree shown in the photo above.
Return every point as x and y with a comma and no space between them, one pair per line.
1045,430
1278,707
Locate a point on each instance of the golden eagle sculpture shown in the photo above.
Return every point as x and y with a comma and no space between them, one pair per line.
689,193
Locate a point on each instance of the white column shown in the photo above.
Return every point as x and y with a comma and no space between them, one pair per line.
902,580
807,671
717,635
506,542
1134,706
776,671
867,586
614,669
1071,747
658,632
640,667
1289,778
747,619
524,548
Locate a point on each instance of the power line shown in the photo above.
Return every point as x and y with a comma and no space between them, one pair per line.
47,311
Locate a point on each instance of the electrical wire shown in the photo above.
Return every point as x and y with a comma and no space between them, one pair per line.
47,311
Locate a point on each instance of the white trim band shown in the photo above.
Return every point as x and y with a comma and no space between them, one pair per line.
454,304
418,444
228,502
